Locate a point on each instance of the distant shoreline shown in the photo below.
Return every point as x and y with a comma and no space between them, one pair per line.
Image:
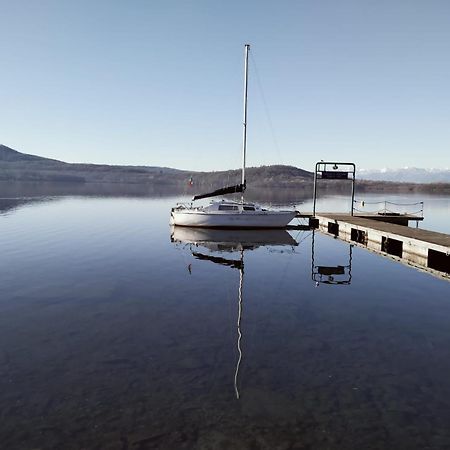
16,189
17,167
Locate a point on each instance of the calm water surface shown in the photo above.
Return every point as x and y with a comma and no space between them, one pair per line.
114,337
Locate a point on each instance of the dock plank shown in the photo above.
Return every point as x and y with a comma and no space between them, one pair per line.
432,237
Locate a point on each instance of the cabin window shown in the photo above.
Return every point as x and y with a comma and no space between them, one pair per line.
249,208
228,208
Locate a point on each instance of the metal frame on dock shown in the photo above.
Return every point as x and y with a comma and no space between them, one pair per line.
334,174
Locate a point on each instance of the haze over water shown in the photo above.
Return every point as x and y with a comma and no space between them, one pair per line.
113,337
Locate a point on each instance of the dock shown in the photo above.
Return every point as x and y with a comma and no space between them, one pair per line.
379,226
428,250
400,219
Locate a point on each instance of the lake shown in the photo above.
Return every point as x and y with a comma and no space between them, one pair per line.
117,332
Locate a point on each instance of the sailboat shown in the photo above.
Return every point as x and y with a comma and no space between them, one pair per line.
229,213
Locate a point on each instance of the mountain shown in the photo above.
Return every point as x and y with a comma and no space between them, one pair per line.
406,175
10,155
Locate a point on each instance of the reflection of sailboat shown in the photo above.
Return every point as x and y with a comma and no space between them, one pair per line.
231,214
230,241
339,274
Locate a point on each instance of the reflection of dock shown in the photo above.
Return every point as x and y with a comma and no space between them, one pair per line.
422,248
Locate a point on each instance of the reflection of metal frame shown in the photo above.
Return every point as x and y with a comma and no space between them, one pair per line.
329,274
333,174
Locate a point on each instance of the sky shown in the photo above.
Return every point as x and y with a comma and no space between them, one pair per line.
160,82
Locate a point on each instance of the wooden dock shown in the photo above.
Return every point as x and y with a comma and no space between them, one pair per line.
400,219
424,249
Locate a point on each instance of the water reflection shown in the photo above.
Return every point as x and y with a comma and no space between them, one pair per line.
199,240
339,274
11,205
107,342
228,240
46,189
236,264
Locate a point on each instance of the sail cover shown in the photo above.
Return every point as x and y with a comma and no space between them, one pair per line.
237,264
222,191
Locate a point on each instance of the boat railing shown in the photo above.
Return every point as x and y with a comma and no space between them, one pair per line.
183,205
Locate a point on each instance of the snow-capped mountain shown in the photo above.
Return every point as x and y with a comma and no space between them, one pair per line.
406,174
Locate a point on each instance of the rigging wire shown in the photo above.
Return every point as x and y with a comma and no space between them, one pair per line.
266,109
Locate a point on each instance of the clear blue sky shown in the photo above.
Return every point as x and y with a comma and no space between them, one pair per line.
160,82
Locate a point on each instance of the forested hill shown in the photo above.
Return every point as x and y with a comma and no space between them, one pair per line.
17,166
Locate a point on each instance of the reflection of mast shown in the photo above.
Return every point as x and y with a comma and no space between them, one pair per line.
230,241
235,264
241,282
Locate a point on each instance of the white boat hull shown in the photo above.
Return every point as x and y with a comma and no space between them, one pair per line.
238,219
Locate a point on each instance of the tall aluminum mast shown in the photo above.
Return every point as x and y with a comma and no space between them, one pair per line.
244,134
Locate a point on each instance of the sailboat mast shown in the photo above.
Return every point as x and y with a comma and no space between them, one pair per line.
244,134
